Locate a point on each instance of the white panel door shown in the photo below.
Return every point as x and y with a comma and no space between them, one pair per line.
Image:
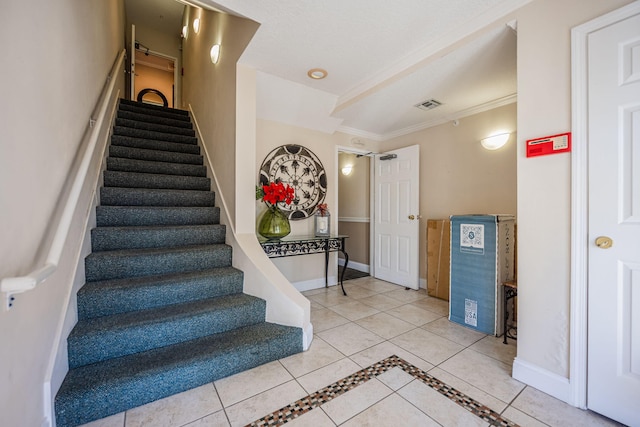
133,62
396,227
614,213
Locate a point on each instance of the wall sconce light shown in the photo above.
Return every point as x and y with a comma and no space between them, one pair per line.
185,31
495,141
215,53
196,25
347,169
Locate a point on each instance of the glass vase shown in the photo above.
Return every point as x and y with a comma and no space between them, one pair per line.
274,224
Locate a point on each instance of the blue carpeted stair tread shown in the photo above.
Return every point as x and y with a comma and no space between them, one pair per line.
160,181
162,168
148,134
151,144
141,237
155,155
146,262
155,127
102,389
145,117
108,297
156,215
98,339
118,196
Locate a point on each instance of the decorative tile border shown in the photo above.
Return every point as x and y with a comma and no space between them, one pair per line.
324,395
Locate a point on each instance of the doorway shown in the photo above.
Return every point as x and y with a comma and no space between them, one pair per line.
155,77
354,206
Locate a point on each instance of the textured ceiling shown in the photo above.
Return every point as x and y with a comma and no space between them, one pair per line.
382,57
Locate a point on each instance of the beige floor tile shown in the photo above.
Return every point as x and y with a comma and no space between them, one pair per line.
414,315
314,418
264,403
326,319
116,420
391,411
176,410
453,332
522,419
320,354
329,374
406,295
219,419
354,310
428,346
379,285
494,377
329,298
315,305
359,292
385,349
471,391
440,408
395,378
241,386
435,305
350,338
315,291
554,412
496,348
381,302
355,401
385,325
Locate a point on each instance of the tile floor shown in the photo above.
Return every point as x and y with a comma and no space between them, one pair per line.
382,356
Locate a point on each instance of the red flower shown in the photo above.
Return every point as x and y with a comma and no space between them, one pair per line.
278,192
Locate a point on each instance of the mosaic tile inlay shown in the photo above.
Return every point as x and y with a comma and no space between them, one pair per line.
324,395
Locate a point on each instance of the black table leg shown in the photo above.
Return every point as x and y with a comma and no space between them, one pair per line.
344,269
326,265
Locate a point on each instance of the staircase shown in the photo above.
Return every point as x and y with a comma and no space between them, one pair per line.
162,310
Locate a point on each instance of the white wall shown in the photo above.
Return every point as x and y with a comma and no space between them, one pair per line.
544,186
57,57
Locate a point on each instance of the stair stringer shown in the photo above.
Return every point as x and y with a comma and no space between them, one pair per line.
262,279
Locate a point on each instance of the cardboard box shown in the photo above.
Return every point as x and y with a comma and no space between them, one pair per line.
438,254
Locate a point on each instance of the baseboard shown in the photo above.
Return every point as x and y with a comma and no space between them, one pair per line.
543,380
355,265
307,337
308,285
423,283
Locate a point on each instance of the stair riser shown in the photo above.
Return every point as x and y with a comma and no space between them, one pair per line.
106,266
155,110
147,134
155,155
149,118
150,144
142,166
98,299
154,127
97,347
124,216
114,196
118,396
146,180
113,239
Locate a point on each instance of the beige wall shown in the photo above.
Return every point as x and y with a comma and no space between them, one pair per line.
457,175
57,58
153,78
544,183
210,89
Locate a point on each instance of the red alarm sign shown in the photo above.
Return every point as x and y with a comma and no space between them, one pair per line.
553,144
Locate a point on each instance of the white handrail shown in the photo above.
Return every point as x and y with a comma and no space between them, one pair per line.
15,285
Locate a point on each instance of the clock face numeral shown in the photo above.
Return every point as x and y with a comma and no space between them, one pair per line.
302,170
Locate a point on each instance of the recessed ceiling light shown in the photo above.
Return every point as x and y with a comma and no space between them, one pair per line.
317,73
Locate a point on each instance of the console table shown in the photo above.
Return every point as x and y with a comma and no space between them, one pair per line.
307,245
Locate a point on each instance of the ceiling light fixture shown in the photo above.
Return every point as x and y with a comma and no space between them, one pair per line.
496,141
215,53
196,25
317,73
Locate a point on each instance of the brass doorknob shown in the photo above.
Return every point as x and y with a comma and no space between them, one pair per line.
412,217
604,242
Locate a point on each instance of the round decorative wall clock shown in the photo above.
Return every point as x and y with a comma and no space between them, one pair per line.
297,166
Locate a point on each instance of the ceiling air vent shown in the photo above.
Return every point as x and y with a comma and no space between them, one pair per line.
428,105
